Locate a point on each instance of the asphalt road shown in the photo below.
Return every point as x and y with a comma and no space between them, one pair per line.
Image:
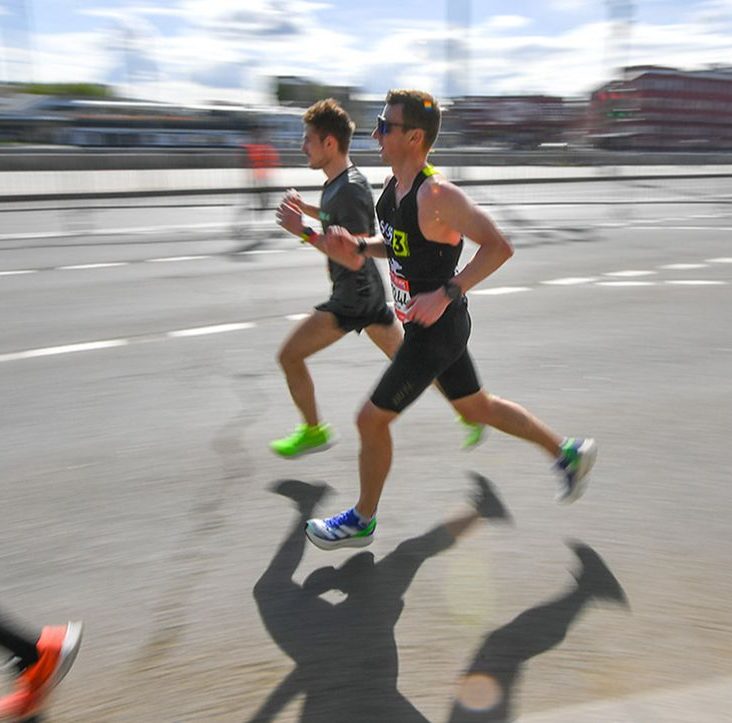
139,391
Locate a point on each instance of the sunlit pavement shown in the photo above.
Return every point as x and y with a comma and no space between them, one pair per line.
136,483
708,701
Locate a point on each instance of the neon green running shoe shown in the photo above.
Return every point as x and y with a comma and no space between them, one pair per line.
306,439
474,433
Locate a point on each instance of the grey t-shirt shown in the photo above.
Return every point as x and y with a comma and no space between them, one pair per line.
347,201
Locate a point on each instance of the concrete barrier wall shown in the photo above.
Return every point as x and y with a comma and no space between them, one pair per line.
74,159
38,185
41,173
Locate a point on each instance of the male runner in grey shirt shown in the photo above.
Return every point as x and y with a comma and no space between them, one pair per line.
358,300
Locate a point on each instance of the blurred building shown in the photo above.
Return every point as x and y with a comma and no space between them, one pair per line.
515,121
120,123
657,108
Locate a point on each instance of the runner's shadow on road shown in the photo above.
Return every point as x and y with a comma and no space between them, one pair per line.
345,653
486,690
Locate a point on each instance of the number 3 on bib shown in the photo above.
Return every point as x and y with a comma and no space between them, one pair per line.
399,243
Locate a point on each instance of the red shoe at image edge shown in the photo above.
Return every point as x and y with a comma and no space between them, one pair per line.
57,650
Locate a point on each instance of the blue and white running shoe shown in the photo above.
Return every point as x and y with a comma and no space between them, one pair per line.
574,464
347,529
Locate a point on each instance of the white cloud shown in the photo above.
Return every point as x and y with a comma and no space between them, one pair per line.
685,46
711,16
153,10
227,49
567,5
507,22
60,57
261,17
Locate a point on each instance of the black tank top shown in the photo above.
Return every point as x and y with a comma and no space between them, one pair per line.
416,264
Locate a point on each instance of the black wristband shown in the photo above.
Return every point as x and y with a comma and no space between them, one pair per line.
362,245
452,290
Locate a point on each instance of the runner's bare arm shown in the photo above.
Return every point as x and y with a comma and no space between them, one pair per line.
341,245
446,214
293,197
289,216
350,250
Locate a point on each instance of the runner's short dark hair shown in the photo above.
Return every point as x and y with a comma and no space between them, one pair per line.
330,119
419,110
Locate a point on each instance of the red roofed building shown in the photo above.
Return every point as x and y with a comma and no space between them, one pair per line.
656,108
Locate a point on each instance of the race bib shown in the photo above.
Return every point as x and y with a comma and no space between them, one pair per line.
400,294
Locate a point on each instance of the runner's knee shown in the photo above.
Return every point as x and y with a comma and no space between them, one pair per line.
288,356
371,419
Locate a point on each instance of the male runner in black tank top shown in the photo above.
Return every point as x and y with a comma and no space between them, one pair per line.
423,219
357,300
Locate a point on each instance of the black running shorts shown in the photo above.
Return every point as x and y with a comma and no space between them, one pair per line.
428,353
348,322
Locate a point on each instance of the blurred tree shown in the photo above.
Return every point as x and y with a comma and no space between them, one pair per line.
294,90
87,90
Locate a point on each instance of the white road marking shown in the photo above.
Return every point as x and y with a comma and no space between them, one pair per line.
112,231
38,235
679,228
105,265
625,283
695,282
157,229
261,252
499,290
110,343
216,329
65,349
570,281
164,259
629,273
626,275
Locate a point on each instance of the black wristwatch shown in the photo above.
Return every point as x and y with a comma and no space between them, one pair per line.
452,290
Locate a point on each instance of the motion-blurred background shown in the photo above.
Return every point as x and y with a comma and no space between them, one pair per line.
145,290
618,74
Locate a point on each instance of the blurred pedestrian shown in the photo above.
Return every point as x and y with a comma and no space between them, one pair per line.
261,158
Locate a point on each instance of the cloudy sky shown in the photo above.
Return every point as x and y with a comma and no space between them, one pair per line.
200,50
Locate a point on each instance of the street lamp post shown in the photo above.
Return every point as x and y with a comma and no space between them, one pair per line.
457,48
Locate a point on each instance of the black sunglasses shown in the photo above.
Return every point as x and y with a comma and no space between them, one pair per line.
383,126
